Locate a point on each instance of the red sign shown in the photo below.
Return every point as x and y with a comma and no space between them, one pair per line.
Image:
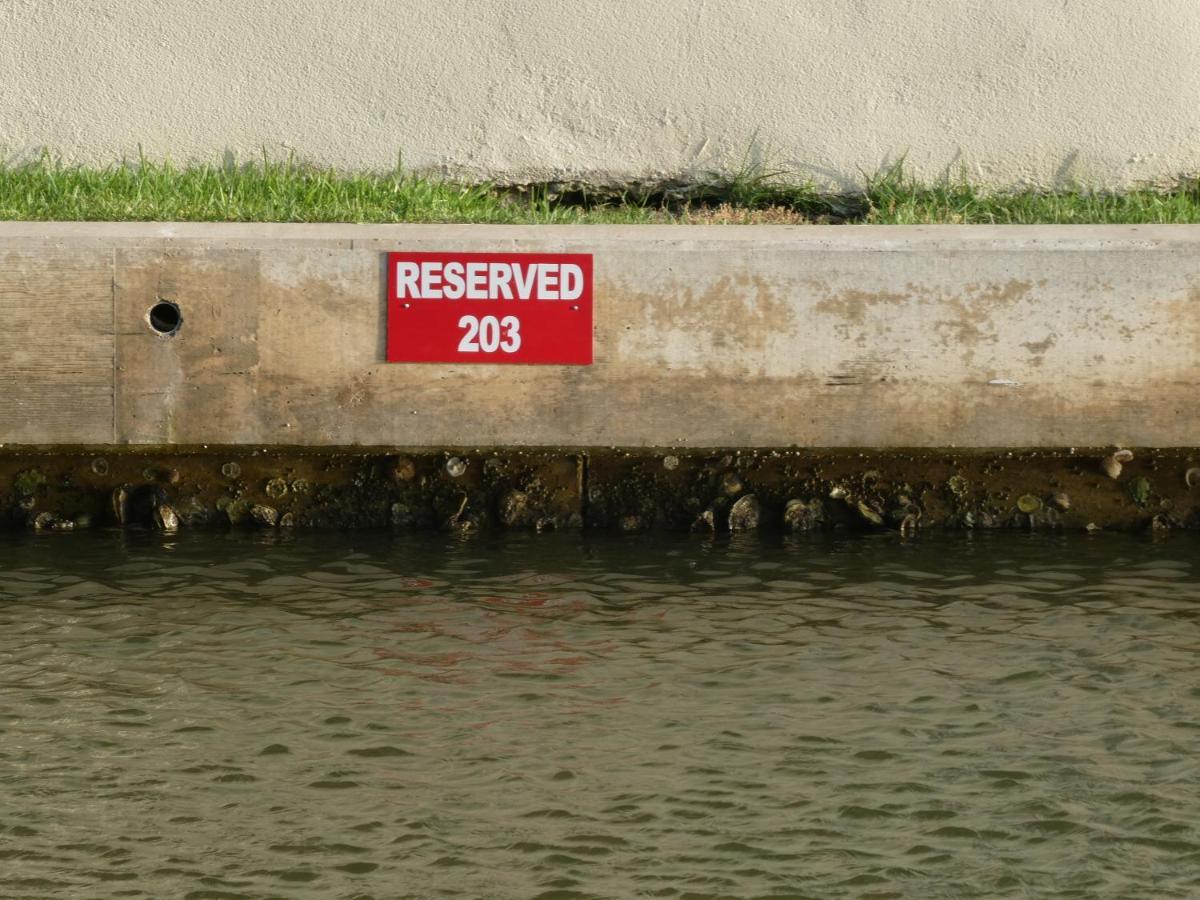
490,308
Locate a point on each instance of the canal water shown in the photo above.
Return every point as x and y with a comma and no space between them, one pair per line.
226,716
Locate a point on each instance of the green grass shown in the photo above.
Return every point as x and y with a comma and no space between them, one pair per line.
290,192
895,199
264,192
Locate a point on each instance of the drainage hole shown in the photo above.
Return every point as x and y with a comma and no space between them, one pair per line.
165,318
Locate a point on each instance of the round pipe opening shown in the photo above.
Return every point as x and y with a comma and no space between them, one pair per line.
165,318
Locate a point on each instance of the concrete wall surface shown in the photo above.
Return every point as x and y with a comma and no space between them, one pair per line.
704,337
1021,92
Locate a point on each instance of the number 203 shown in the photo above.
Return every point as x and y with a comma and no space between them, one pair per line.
489,334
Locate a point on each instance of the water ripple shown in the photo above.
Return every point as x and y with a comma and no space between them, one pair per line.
560,716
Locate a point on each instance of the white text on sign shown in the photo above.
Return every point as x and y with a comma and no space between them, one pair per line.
489,334
454,280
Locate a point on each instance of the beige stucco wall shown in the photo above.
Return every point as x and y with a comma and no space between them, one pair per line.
1100,91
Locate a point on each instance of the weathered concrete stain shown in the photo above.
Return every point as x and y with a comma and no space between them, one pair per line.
732,318
1037,349
56,344
162,386
853,305
1184,313
973,313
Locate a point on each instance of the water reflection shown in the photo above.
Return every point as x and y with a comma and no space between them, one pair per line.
566,716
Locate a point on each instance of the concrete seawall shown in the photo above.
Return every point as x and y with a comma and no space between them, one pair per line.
704,337
802,377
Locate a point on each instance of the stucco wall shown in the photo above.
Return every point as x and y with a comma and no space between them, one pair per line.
1100,91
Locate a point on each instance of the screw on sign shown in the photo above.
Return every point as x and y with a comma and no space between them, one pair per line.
524,308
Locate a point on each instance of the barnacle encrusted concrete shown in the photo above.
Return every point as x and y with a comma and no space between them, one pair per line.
471,490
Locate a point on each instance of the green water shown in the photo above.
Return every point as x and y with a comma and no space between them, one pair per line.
567,716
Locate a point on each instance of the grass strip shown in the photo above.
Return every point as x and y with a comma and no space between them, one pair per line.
287,191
